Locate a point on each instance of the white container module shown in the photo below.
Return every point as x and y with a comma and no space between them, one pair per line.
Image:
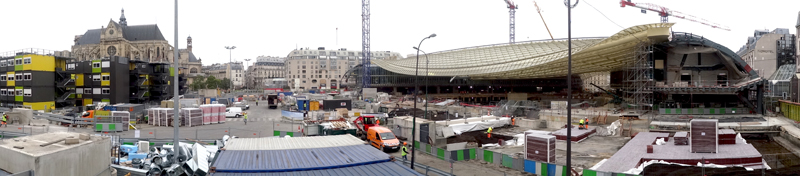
206,108
213,113
123,116
192,116
221,113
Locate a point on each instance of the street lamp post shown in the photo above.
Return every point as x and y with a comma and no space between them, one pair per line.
416,91
230,62
569,5
246,72
426,80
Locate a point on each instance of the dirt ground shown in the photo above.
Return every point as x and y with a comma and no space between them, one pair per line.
670,170
479,137
432,114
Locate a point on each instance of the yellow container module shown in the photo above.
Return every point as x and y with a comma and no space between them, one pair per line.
314,105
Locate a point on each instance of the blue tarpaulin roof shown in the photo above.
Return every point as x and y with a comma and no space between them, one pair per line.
378,169
244,161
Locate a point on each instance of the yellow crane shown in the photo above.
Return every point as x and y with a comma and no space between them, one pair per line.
545,24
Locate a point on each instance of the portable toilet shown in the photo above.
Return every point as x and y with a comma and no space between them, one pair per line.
314,105
303,104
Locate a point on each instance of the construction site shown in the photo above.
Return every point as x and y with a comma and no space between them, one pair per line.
645,100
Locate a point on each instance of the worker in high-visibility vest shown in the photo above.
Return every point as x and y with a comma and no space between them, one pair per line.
489,132
580,124
245,118
4,120
404,151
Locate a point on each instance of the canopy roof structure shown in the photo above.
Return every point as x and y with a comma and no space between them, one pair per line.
536,59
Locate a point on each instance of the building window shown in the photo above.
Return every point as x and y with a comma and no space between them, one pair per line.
106,64
2,77
2,63
96,77
87,91
26,60
3,92
10,62
70,66
106,77
95,64
18,76
79,90
18,92
27,76
18,61
27,92
106,91
96,91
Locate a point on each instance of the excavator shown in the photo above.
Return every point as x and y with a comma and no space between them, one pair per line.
363,123
616,100
377,136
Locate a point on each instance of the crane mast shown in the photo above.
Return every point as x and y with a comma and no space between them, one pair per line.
512,8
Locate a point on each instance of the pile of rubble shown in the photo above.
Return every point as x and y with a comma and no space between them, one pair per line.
192,159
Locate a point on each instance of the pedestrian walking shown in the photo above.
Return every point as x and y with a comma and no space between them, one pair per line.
245,118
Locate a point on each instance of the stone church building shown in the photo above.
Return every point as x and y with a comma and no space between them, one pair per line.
137,42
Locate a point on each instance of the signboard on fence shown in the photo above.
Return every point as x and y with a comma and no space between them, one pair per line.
558,105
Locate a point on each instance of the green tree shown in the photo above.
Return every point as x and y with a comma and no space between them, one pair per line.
198,83
225,83
211,82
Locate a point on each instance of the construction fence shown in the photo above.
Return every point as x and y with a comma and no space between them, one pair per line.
500,159
790,110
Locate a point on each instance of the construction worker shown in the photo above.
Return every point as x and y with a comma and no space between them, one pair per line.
512,122
489,132
404,151
580,124
5,118
245,118
256,102
586,124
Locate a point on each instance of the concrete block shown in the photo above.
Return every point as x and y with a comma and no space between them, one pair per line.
70,141
83,136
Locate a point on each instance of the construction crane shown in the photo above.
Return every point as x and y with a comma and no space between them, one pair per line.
665,13
511,9
545,24
366,54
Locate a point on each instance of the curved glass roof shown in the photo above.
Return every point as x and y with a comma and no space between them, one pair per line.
535,59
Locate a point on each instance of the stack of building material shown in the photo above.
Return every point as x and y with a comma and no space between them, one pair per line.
220,113
192,117
727,136
703,136
540,147
123,117
681,138
207,109
151,116
214,113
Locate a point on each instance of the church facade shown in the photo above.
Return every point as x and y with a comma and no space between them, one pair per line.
136,42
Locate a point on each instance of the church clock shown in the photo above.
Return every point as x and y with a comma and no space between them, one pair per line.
112,50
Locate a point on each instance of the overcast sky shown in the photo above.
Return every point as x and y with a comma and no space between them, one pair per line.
274,28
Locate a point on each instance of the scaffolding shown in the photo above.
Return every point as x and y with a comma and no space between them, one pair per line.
639,79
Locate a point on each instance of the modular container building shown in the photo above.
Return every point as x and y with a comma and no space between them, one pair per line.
331,105
38,82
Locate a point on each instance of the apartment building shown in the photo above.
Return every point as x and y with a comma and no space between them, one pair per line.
264,70
767,50
233,71
324,69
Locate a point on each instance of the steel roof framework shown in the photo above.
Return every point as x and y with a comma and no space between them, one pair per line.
536,59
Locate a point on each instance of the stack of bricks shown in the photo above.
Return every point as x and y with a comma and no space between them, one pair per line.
681,138
727,136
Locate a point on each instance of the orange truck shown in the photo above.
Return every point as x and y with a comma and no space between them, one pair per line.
383,139
378,136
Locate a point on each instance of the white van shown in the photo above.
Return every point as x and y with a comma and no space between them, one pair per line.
233,112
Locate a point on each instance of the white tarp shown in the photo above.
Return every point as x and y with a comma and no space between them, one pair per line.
446,102
478,125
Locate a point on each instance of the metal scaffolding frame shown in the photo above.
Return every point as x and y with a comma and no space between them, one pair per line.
639,78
